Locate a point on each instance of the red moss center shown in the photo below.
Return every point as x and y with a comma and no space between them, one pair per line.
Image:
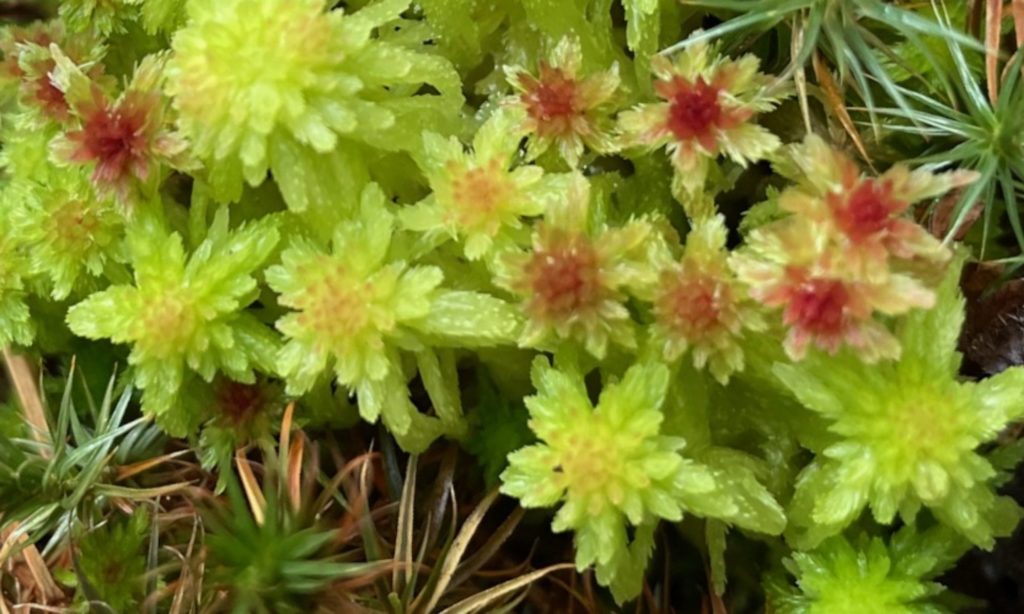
694,110
564,277
48,96
818,306
116,138
867,210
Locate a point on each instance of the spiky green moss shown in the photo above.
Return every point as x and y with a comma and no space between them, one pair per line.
357,308
906,435
274,85
370,211
185,311
73,233
609,467
868,574
481,198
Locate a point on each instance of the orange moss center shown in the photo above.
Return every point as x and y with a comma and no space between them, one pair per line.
552,102
480,194
74,224
693,306
333,303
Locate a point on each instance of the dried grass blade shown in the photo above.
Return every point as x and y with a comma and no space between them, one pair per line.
993,25
253,493
458,548
295,473
127,471
286,429
482,599
834,98
403,541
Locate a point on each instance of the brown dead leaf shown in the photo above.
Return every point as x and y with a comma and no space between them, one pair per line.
993,335
944,215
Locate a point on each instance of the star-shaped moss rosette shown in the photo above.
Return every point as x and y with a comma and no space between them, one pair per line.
868,574
608,465
124,139
565,108
575,279
792,264
611,468
73,233
357,308
185,311
481,196
700,306
28,62
866,216
275,84
708,110
906,434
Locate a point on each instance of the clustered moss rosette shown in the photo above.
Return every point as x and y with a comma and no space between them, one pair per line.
846,254
577,274
482,197
360,308
389,211
699,306
76,233
906,435
274,85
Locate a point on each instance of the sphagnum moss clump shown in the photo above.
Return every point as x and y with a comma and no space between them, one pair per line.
694,300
